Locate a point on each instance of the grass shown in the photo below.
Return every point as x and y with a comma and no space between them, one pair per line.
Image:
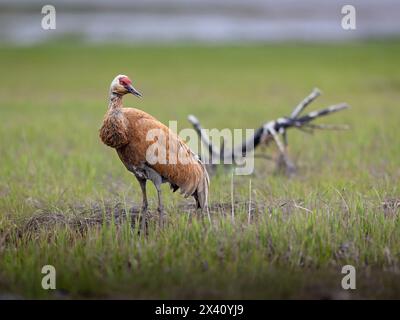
53,167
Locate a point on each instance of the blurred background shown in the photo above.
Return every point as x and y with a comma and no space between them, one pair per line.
197,20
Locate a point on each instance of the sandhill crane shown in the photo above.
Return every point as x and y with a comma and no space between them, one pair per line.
127,130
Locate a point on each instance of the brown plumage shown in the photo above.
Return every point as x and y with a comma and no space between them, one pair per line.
139,138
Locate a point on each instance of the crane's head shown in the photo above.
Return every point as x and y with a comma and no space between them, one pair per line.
122,85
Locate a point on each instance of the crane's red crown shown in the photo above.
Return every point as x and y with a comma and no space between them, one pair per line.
125,81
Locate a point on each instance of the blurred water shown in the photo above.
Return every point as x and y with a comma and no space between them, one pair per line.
197,20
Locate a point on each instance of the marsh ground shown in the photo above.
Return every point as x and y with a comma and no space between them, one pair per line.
55,171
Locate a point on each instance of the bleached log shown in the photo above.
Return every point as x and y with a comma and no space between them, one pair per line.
273,130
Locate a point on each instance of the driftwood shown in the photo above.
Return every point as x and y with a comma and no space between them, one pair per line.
275,130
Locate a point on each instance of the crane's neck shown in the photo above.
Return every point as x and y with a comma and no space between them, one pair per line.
115,101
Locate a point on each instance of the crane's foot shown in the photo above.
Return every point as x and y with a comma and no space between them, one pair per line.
143,222
204,216
190,217
161,217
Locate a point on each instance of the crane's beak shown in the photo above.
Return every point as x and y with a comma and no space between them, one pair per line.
134,91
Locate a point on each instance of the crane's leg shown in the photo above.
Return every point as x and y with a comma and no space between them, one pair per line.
160,208
157,181
144,210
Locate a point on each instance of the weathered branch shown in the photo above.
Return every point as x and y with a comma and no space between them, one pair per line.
204,138
301,106
273,130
